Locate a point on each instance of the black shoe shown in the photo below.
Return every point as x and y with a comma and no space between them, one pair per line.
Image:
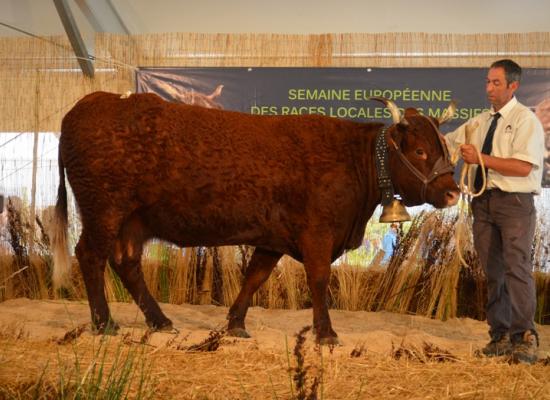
525,350
498,346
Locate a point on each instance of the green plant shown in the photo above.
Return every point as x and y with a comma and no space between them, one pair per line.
111,374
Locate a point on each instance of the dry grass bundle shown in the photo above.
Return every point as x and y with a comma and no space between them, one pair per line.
439,291
114,288
426,353
206,273
401,281
358,351
353,287
285,288
426,277
25,270
347,293
273,291
73,334
182,278
372,280
33,282
19,230
30,280
211,343
171,273
231,273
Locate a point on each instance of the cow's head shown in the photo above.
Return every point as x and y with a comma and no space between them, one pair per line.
420,168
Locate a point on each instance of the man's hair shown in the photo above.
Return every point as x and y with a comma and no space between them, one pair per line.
512,70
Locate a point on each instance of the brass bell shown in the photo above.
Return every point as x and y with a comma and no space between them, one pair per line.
394,212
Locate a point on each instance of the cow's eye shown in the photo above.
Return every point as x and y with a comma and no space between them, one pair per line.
420,152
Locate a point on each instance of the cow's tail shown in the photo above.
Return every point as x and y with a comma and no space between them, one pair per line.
60,249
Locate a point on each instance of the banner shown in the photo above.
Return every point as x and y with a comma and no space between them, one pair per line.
344,92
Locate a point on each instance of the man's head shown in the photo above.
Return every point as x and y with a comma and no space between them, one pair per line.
503,80
394,226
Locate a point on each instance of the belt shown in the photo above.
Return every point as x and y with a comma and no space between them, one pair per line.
497,190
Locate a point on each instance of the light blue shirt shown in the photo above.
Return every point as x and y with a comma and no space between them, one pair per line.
388,245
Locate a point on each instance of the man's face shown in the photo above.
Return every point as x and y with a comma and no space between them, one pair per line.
499,92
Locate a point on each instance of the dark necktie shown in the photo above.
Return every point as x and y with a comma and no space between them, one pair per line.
487,148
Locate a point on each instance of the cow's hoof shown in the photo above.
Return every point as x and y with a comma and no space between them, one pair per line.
166,329
238,332
169,329
165,326
330,341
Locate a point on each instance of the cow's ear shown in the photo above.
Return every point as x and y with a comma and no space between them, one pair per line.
411,112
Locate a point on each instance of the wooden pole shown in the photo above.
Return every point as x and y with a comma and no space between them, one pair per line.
34,163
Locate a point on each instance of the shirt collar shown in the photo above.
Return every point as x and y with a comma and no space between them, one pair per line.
504,111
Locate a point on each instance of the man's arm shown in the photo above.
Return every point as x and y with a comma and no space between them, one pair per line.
504,166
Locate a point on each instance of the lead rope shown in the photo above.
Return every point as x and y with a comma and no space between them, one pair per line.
467,193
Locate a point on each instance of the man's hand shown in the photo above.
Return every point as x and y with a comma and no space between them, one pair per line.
469,153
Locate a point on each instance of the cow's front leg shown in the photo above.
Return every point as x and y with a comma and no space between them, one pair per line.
260,267
317,251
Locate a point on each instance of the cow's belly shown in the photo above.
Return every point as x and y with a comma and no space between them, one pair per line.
205,226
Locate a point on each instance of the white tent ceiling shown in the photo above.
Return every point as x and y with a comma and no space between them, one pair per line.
81,19
282,16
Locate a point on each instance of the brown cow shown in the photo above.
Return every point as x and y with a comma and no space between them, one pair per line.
143,168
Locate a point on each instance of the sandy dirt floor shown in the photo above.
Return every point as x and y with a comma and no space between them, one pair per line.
383,355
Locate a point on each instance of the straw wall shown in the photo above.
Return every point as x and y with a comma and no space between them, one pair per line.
40,79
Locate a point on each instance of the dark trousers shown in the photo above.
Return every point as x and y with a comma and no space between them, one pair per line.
504,227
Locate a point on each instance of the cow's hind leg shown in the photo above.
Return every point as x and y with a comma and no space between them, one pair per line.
260,267
91,252
126,261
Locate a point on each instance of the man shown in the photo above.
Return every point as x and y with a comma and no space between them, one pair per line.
504,215
389,242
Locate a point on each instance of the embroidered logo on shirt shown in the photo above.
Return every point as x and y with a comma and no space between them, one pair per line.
508,129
